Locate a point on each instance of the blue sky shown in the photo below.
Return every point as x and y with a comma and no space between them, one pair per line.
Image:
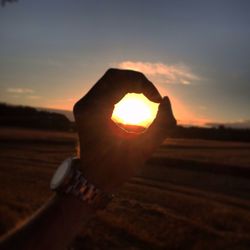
197,52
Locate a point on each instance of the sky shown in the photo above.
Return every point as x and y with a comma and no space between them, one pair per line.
196,52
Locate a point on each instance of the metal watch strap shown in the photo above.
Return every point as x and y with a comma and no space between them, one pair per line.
87,192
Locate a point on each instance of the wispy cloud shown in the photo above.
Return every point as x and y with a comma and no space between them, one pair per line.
33,97
23,93
20,91
170,74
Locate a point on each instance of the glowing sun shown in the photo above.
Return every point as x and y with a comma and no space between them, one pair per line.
135,109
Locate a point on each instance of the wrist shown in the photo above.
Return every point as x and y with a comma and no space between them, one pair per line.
72,185
74,209
97,177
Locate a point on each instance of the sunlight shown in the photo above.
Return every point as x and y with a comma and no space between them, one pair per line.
135,109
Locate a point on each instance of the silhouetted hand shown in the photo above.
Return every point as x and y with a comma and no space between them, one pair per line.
110,155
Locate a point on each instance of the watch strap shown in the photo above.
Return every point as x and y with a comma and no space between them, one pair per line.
87,192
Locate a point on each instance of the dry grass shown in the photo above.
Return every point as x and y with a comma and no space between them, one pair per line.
184,198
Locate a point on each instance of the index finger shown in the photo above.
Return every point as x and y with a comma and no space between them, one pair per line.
116,83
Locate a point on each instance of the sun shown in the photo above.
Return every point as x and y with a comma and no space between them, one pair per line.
135,109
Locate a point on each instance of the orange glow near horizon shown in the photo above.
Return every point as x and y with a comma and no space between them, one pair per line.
135,109
183,111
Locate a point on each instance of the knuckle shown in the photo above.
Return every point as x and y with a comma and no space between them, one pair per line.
110,71
79,107
76,108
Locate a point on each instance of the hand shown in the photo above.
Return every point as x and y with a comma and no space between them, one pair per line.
110,155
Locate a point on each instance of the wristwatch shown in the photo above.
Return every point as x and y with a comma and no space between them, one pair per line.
70,181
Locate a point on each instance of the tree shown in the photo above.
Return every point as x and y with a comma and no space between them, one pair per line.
3,2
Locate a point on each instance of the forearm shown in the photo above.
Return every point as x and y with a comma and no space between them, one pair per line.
54,226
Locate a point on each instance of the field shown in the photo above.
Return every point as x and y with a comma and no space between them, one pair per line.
192,194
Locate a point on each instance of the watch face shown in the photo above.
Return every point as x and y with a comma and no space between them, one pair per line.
61,174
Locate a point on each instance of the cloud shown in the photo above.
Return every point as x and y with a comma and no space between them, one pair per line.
34,97
163,73
23,92
20,91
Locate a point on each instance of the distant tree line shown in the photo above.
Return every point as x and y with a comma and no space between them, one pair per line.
220,133
27,117
3,2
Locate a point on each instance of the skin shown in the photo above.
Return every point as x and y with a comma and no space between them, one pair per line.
109,156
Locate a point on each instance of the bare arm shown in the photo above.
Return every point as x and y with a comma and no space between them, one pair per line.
54,226
109,157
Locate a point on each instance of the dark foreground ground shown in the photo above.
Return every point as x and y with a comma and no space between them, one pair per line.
192,194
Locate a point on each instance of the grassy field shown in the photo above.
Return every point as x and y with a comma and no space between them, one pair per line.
192,194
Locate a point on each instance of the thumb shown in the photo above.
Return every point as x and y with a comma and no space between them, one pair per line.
165,120
162,126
